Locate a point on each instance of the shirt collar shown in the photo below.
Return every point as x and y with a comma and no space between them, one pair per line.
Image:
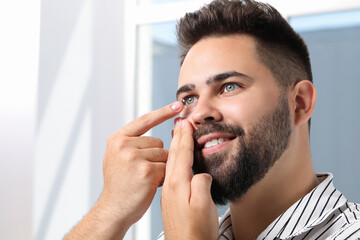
302,216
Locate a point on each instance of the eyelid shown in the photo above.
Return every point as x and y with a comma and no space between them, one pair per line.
183,99
225,84
186,105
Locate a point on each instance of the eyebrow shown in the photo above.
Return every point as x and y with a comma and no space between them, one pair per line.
213,79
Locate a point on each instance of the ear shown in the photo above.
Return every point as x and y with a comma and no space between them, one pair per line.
305,98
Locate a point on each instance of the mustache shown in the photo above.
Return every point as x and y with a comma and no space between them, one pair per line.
218,127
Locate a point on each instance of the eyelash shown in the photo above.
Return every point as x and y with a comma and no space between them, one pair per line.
184,100
227,84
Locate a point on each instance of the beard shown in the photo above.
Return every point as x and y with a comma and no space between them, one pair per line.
235,171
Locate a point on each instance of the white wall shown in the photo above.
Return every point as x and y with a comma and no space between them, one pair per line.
83,98
19,45
62,93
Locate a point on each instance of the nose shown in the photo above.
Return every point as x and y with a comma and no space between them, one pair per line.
205,111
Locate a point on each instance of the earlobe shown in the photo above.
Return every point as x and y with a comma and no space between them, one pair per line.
305,98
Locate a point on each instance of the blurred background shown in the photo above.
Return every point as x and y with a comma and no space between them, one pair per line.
74,71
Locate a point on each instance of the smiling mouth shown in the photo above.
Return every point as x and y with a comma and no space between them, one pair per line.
214,142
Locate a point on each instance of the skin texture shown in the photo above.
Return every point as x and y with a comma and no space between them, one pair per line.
135,166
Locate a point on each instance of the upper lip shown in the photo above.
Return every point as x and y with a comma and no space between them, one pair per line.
208,137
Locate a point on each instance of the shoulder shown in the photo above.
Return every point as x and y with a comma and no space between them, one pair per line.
340,223
350,229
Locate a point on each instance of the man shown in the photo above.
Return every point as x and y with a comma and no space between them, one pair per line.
246,86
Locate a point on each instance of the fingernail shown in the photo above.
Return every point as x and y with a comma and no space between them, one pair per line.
176,106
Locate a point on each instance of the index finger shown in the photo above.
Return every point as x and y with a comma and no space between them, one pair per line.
149,120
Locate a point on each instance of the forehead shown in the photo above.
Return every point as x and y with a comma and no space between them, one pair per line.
214,55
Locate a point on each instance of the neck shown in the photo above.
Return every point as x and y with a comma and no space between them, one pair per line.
290,179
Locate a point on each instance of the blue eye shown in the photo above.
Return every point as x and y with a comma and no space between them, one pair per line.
189,100
230,87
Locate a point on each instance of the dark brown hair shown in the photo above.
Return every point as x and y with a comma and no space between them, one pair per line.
278,46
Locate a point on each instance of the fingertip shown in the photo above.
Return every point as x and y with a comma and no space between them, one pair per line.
204,179
201,188
177,120
208,176
207,179
176,106
184,123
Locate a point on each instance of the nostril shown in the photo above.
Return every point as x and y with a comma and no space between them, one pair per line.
206,114
209,119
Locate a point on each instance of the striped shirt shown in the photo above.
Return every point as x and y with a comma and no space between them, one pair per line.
324,213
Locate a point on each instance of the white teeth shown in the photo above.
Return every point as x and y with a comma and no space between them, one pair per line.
215,142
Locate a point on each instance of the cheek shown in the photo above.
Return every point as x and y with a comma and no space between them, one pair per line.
241,111
235,111
246,110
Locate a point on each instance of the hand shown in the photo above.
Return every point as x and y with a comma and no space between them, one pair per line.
188,211
134,166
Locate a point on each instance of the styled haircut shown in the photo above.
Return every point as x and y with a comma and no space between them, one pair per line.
278,46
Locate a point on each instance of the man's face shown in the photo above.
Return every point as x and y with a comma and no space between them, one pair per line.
240,116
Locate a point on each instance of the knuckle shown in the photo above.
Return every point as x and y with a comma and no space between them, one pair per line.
121,142
111,139
174,182
199,204
146,119
132,155
115,141
145,170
